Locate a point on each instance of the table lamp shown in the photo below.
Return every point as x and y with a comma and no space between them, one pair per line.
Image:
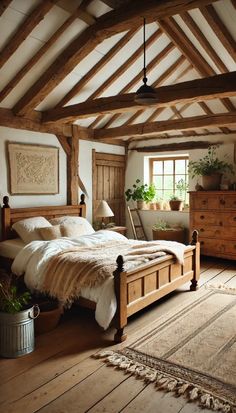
104,211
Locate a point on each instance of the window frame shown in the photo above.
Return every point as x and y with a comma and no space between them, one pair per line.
168,158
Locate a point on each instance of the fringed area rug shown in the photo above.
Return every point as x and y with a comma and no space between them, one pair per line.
190,352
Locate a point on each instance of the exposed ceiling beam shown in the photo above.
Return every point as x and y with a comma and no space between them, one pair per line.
107,25
97,67
25,29
32,123
178,37
40,53
82,13
220,30
174,146
4,5
192,91
140,129
188,20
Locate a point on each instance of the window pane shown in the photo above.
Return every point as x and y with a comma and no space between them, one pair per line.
167,194
168,182
157,182
168,167
157,167
179,178
180,166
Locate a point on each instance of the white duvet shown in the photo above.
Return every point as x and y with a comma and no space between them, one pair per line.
33,259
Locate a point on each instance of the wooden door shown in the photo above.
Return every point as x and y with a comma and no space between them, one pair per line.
109,184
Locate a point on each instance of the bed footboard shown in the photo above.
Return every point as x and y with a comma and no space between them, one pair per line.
138,288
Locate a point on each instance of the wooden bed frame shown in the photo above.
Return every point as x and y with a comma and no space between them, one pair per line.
135,289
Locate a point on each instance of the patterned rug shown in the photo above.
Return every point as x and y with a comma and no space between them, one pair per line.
190,352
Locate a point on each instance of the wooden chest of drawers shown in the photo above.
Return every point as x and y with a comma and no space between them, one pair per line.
213,214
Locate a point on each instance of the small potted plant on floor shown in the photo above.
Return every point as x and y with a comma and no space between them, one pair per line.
50,313
164,231
17,316
143,194
210,168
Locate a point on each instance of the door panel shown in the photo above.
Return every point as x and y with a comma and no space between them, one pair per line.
109,184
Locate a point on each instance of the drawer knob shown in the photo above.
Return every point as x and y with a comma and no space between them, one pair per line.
221,223
204,202
202,242
234,218
222,202
202,217
202,230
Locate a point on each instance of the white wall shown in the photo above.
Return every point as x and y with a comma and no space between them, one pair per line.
137,168
23,136
85,165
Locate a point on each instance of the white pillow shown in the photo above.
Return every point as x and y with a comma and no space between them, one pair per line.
86,227
27,228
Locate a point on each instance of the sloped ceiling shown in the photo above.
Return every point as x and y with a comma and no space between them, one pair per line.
79,62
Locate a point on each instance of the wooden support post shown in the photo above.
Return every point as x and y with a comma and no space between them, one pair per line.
196,261
121,298
72,169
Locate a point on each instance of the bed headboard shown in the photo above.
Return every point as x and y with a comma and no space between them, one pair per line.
12,215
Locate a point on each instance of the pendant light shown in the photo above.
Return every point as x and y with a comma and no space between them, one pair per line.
145,94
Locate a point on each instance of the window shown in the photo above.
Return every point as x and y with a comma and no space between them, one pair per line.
168,173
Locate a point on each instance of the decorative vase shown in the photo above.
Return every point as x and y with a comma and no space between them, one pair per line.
142,205
211,182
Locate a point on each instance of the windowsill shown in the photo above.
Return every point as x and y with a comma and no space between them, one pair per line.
185,211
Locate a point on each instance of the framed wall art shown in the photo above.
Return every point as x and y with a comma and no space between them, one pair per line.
33,169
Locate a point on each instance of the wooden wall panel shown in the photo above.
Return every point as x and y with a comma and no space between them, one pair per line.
109,183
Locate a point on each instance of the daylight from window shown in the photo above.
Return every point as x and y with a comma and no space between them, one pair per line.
170,176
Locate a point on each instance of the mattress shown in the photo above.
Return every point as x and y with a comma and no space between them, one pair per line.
11,247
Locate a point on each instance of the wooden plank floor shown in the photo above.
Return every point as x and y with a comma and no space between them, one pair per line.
60,376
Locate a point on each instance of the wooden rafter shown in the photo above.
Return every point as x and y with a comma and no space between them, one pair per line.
220,30
151,65
173,146
25,29
191,91
177,35
82,13
40,53
158,82
111,23
140,129
4,5
97,67
125,66
188,20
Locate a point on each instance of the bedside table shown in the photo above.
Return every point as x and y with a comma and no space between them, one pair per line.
121,230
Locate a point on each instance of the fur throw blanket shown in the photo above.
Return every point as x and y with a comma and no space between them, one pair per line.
75,268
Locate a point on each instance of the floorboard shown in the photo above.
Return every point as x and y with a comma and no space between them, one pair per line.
60,376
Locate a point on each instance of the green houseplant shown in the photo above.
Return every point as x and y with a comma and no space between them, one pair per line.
162,230
141,193
17,315
210,168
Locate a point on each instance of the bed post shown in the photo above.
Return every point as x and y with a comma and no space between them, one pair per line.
196,261
6,218
121,298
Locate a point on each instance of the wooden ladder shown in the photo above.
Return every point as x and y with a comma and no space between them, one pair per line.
136,224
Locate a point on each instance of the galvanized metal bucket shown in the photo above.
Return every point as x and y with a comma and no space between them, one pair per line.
17,332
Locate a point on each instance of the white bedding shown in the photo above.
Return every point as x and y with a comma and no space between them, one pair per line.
32,261
11,247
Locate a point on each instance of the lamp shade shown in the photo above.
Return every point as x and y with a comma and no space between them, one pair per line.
103,210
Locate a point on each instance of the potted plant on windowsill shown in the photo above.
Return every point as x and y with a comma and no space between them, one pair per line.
143,194
17,315
176,204
210,168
